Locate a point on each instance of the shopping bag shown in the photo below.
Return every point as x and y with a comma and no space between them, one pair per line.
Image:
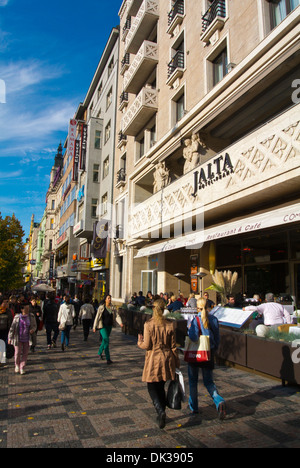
174,394
181,383
197,351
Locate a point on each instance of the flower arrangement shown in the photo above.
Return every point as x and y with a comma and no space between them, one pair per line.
223,283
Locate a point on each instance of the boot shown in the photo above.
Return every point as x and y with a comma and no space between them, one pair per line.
161,418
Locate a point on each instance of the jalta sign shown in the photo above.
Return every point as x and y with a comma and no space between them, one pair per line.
214,171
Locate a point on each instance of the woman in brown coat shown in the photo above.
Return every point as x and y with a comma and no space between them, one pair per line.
161,358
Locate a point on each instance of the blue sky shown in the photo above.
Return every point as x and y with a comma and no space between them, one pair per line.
49,51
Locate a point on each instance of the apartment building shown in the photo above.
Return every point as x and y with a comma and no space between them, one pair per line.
96,128
207,156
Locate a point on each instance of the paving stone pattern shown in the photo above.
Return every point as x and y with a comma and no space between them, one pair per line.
72,399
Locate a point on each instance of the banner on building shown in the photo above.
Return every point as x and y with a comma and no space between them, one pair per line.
83,147
76,160
71,138
100,238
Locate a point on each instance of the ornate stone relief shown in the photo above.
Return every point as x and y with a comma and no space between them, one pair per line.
269,153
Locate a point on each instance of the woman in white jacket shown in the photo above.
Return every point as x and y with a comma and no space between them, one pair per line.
65,319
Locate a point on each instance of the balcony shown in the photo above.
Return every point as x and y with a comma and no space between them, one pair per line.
175,16
140,112
121,178
125,62
213,19
142,25
123,101
175,67
144,63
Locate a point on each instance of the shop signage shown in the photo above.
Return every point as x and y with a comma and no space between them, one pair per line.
213,171
71,138
51,266
99,244
83,147
76,160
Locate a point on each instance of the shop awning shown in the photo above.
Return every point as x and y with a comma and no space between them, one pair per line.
279,217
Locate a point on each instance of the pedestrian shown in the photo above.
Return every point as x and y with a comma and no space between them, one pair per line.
77,304
6,319
210,327
104,322
86,314
66,315
271,315
50,314
20,333
37,312
161,358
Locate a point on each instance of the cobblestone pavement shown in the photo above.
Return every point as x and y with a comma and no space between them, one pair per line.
72,399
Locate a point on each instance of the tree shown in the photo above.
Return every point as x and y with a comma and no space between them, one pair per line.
12,254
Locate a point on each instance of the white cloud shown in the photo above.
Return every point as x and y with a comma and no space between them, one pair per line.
25,75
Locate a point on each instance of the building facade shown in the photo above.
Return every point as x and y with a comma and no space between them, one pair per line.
207,156
96,127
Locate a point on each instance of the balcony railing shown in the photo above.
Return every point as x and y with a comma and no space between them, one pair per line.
139,113
177,9
123,100
177,62
217,8
142,25
143,64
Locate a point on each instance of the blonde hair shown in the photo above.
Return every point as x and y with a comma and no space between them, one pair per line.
158,310
201,305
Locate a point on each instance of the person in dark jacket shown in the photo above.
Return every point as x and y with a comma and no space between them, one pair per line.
35,309
50,314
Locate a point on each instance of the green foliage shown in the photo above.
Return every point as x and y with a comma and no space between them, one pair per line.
12,255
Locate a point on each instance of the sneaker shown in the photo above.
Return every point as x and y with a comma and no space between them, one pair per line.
17,369
49,346
22,371
109,361
53,344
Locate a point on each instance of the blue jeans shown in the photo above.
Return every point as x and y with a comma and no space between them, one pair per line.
65,335
207,374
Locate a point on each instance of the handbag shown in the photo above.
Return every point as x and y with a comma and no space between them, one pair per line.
174,394
197,351
62,326
10,351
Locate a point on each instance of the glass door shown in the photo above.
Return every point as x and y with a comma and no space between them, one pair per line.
149,281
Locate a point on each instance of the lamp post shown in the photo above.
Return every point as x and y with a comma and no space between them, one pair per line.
201,275
179,275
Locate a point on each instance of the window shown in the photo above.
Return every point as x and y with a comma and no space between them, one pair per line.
110,67
105,167
109,98
152,136
52,223
279,9
107,132
220,67
97,144
104,204
100,90
50,244
96,172
53,205
180,108
94,207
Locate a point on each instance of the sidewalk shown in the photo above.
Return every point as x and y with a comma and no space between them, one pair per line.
72,399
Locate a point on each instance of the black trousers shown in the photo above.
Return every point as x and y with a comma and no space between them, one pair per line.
86,325
157,393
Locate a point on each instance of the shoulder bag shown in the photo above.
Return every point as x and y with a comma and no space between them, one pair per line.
197,351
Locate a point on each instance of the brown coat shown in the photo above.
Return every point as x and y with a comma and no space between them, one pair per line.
161,356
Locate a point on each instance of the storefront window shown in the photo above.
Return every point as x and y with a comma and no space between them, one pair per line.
295,244
267,278
267,248
228,252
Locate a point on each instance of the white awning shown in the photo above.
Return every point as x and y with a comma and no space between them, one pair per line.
278,217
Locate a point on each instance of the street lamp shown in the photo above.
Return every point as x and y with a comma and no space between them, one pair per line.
201,275
179,275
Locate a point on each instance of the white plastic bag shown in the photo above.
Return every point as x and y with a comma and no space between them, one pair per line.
181,383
